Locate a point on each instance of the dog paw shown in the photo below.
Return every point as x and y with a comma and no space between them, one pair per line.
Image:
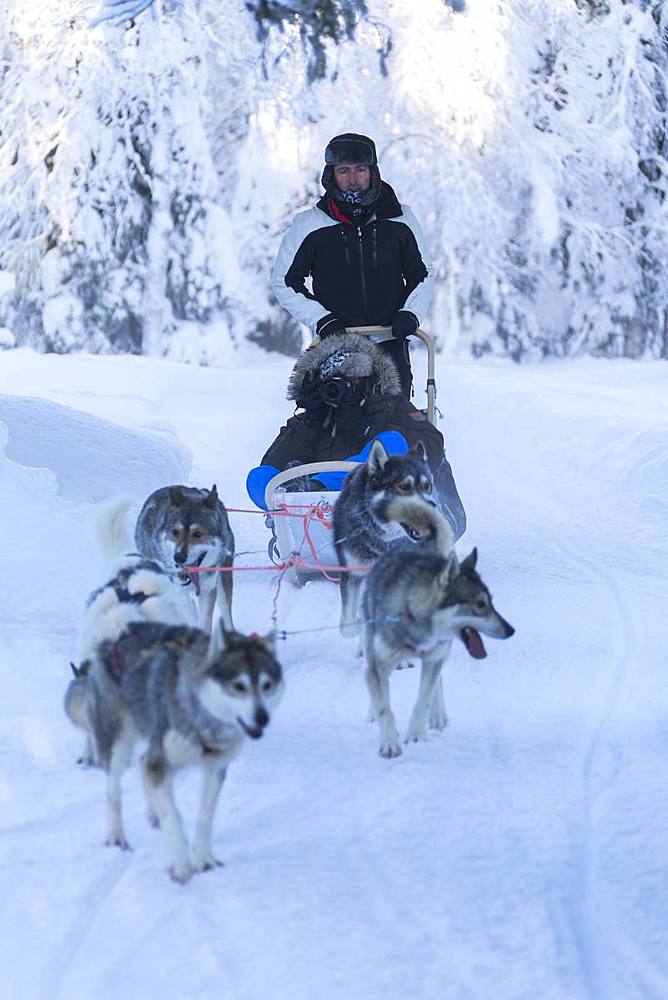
349,630
207,863
415,735
439,722
390,748
180,873
153,820
85,761
117,840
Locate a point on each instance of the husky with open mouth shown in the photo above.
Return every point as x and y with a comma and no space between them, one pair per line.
362,528
418,598
194,698
183,526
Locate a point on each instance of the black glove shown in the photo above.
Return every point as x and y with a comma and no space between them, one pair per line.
309,394
329,325
404,324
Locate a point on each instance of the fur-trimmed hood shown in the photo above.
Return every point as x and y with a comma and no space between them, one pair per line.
361,358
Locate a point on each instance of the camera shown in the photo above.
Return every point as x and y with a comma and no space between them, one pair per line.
340,391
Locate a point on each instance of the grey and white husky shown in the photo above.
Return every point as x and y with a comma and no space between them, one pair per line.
181,526
139,590
417,599
194,698
362,529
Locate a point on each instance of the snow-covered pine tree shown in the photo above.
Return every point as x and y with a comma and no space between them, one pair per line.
531,139
645,330
120,240
604,101
149,169
319,24
120,217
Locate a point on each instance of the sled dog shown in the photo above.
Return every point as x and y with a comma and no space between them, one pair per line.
362,529
194,698
139,590
183,526
417,598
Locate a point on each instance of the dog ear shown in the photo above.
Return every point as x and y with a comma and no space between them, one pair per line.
468,566
212,497
377,457
75,669
420,450
175,495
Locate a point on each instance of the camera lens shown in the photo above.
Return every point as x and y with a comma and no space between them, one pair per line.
333,391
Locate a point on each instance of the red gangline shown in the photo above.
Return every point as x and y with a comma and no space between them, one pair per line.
314,552
282,511
312,511
296,561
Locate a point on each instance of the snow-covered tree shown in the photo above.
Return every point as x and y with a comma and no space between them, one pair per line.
120,219
149,165
530,137
118,227
319,25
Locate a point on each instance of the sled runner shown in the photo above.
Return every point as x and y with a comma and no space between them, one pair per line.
301,522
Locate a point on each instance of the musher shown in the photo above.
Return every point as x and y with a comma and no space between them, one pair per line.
366,258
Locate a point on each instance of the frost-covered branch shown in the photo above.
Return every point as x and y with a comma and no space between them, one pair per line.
319,24
128,10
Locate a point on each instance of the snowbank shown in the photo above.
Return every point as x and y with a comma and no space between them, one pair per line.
92,458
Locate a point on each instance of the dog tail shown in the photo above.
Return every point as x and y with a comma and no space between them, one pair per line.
111,528
427,522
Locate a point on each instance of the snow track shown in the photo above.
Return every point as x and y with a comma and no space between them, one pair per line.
75,942
600,768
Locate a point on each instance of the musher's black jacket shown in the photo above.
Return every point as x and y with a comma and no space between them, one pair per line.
362,274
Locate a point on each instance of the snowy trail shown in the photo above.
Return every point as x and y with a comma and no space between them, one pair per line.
520,854
582,910
600,937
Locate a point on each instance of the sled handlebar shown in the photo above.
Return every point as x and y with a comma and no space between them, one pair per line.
368,331
308,469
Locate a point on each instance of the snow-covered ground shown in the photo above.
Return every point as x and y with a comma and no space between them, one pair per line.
521,854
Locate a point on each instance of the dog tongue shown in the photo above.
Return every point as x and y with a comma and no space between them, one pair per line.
195,580
473,643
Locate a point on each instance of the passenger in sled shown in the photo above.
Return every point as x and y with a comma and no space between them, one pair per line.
365,256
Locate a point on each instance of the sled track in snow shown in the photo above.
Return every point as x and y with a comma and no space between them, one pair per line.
76,938
597,777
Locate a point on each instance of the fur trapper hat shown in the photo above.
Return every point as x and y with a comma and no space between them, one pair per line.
348,354
351,147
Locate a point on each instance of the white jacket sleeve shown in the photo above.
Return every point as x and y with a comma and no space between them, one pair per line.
419,300
301,307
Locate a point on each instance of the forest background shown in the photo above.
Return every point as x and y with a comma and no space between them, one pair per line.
153,153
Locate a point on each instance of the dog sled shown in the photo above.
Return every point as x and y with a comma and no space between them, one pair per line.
301,525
